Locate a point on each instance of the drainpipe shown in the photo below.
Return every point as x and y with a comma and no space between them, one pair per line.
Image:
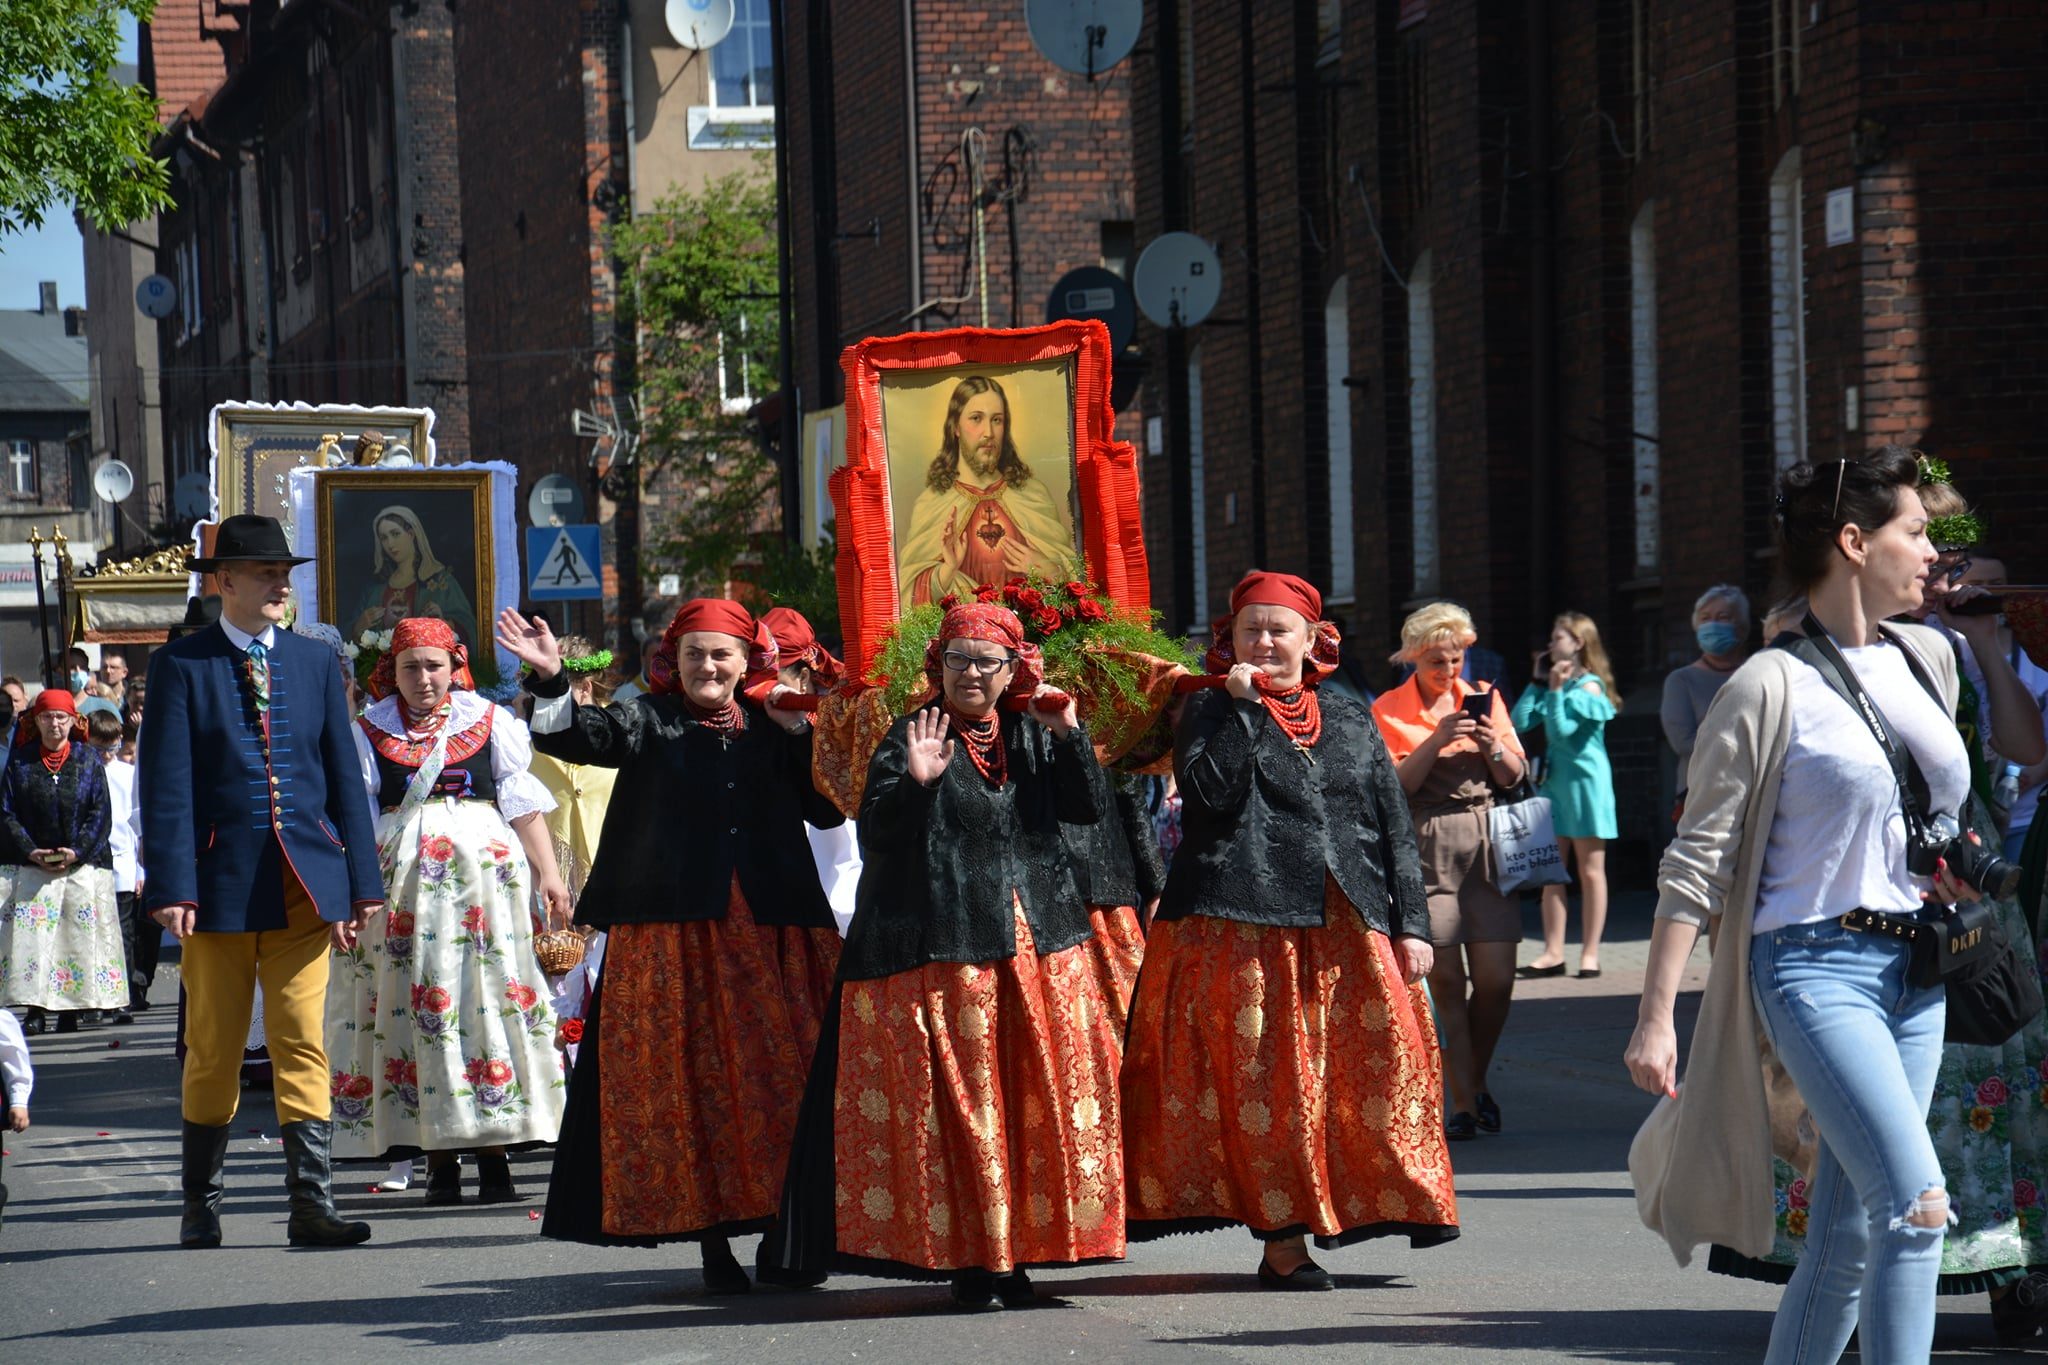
1181,509
785,318
915,215
1253,295
1537,562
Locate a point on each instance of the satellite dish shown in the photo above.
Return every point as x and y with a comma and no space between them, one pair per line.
192,496
555,501
156,296
1093,292
1086,37
1178,280
698,24
113,481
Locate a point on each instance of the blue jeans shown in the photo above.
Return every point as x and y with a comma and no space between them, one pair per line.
1863,1045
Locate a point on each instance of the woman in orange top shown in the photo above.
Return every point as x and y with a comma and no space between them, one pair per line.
1452,763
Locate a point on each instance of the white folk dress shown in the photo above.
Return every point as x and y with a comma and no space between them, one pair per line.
440,1034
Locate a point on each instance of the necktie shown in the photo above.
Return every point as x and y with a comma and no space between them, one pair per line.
259,676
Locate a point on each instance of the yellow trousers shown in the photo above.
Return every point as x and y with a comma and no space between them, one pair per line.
220,975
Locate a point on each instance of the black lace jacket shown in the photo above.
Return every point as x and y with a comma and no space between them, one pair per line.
690,811
941,863
74,811
1261,825
1116,859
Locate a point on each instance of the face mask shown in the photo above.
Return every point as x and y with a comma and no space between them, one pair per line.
1717,637
79,678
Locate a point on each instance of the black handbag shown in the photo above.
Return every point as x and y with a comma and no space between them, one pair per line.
1992,993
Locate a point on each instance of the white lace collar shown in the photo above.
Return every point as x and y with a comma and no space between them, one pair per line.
468,709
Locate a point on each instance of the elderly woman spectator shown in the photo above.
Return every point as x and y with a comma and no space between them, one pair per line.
1794,839
962,1119
1455,749
1720,622
1282,1071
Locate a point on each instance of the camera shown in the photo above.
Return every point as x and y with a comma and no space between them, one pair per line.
1971,863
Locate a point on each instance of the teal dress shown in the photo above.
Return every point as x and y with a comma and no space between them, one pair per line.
1579,780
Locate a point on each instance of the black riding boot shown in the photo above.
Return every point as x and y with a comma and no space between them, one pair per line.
310,1182
206,1150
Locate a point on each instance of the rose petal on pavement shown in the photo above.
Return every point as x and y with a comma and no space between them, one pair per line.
533,1215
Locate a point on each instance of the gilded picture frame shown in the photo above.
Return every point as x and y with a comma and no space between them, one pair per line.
257,445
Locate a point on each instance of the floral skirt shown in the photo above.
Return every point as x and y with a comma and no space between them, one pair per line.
1285,1079
688,1077
60,940
976,1115
439,1031
1120,951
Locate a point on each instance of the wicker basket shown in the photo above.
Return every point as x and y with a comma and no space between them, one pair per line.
559,951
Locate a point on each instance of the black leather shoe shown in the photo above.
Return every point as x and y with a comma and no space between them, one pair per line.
121,1017
1307,1275
2021,1313
494,1180
205,1152
444,1183
1461,1127
974,1291
309,1180
1488,1112
1531,973
1015,1290
723,1273
67,1021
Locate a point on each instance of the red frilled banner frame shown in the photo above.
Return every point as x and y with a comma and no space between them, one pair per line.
1105,469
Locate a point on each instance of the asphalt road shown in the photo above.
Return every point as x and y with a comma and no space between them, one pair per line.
1553,1264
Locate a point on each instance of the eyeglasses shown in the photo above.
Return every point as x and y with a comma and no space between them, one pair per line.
957,662
1953,569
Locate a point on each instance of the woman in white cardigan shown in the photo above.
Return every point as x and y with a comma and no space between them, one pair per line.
1793,821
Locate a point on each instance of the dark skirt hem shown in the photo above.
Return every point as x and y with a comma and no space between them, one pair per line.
565,1230
882,1269
1418,1234
1723,1261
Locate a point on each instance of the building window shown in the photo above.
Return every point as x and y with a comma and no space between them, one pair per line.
1788,314
1337,402
1642,80
191,303
21,468
1198,494
743,64
1785,26
1422,425
1642,335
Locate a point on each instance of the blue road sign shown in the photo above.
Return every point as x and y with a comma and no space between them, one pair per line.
563,564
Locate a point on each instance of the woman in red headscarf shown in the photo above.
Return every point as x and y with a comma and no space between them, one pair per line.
60,929
804,665
961,1121
439,1031
720,946
1282,1070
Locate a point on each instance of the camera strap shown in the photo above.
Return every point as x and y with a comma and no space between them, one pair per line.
1815,646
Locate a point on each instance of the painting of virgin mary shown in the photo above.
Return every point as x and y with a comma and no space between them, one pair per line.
409,580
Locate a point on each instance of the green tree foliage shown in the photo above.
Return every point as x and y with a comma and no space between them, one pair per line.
698,289
69,131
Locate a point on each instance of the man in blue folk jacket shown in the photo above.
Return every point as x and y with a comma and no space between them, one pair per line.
261,849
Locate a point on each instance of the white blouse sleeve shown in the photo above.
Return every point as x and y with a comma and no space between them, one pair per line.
519,791
366,758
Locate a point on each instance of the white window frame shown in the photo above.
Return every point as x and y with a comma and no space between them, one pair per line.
1788,312
21,467
1337,402
753,33
1422,426
1642,323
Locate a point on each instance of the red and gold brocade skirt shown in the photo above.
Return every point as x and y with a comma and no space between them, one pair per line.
976,1114
1121,951
707,1034
1286,1079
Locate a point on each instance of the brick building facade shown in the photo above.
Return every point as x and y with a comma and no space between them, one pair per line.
1526,305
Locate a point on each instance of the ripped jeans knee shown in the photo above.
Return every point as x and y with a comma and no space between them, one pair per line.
1929,1212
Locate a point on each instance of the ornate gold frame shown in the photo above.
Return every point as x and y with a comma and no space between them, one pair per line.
241,464
476,482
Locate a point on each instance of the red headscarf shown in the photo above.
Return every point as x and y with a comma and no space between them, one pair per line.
797,643
1260,588
718,614
30,736
419,632
54,699
995,625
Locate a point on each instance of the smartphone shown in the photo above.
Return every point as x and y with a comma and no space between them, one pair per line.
1479,705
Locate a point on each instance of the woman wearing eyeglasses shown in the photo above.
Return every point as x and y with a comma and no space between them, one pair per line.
961,1120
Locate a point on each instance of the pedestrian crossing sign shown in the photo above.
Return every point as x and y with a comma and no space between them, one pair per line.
562,564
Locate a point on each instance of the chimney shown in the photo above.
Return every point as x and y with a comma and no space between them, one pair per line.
74,321
48,291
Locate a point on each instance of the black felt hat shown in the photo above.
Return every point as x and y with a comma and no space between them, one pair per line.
246,538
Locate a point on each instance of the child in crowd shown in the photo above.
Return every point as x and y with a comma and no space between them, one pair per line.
17,1078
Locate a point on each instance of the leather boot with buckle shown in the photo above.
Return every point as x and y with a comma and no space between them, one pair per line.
309,1180
205,1153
